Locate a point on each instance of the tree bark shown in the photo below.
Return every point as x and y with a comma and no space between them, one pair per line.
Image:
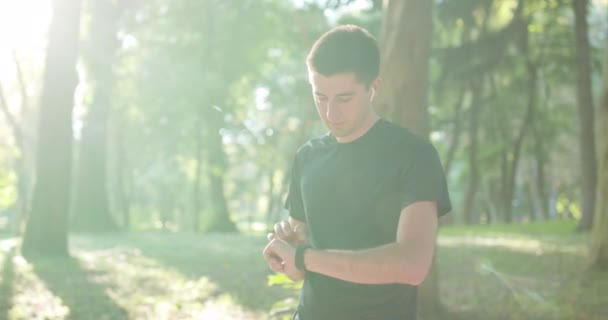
599,236
91,211
539,184
406,45
585,112
513,165
531,197
474,114
220,215
46,229
196,190
455,142
270,206
218,219
123,188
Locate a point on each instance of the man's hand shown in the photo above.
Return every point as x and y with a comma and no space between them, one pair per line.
280,256
289,233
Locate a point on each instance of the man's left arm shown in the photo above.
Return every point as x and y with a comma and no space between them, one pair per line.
407,260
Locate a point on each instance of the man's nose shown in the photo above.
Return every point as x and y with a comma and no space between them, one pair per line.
332,113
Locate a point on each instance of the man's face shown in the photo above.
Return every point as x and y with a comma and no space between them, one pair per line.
343,103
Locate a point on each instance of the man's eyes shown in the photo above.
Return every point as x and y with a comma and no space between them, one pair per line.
344,99
338,99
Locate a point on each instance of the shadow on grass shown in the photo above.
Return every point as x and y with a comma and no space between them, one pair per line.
234,263
589,293
77,289
522,279
7,281
509,283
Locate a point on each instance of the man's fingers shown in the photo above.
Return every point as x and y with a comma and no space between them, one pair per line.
301,232
276,265
268,252
283,231
272,259
286,227
270,236
278,231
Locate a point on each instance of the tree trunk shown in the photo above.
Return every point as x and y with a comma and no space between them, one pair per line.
531,197
275,216
91,211
599,237
219,214
219,219
270,206
406,45
540,159
454,143
123,178
474,113
536,201
511,181
46,229
166,206
196,189
585,112
488,200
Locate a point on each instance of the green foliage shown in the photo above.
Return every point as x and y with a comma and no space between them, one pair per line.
190,69
8,188
183,78
282,280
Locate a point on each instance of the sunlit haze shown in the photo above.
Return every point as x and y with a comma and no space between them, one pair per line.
23,27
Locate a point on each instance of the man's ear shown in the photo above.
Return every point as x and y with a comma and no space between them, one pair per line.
374,87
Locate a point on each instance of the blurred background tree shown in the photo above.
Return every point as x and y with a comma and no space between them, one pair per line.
184,116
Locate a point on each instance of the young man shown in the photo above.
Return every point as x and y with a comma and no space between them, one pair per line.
364,199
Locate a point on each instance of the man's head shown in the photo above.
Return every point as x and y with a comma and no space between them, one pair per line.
346,49
343,67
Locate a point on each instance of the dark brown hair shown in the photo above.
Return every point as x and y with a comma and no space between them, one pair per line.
346,48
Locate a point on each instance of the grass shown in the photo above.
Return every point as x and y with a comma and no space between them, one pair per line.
140,276
535,271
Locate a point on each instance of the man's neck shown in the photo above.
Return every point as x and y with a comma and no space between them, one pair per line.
363,129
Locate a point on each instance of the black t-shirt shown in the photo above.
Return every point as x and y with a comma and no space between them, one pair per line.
351,196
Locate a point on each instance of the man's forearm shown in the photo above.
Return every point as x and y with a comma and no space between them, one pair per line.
390,263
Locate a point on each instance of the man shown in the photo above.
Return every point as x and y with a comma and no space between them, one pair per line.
364,199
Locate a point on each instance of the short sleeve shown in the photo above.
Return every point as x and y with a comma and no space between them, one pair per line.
294,203
423,179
